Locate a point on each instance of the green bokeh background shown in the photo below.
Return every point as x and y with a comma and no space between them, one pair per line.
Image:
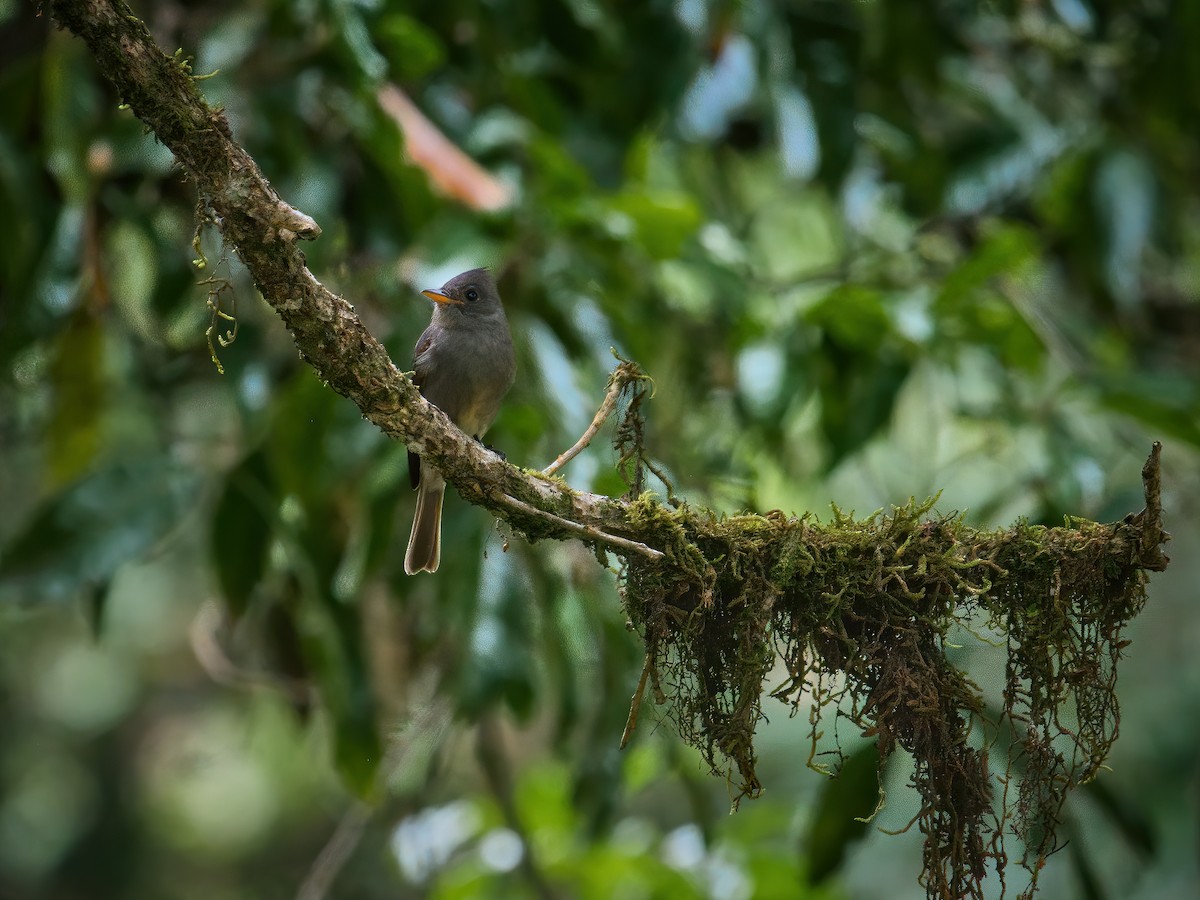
867,250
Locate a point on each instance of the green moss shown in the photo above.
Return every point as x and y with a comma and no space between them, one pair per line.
858,611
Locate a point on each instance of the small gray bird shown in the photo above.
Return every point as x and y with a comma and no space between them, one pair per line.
464,366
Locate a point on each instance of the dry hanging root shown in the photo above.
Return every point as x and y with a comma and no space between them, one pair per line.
860,613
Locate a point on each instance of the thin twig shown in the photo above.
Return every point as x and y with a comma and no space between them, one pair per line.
615,386
636,705
336,852
204,635
587,531
661,476
1152,534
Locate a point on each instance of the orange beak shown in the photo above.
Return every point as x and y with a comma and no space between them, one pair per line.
440,298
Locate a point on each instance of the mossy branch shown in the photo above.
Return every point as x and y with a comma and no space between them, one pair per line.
862,619
264,231
859,616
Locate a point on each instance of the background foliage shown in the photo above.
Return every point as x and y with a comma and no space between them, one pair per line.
867,250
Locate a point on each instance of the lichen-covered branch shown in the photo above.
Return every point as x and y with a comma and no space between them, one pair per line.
860,614
329,335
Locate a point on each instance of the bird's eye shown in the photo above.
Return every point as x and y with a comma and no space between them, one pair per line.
472,295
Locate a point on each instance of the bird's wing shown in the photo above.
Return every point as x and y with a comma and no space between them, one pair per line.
420,370
420,356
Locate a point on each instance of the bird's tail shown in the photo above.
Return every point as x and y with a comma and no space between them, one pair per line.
425,542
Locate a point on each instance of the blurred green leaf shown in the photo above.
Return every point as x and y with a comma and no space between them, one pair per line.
498,666
1125,199
1002,251
78,378
560,179
82,535
853,316
1170,410
1127,815
382,536
132,257
414,50
357,749
1090,880
299,442
858,394
225,45
837,822
71,98
662,221
242,530
333,651
357,40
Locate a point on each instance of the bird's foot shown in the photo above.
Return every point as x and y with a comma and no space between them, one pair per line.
493,449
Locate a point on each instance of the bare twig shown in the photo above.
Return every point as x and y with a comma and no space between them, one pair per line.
1152,534
336,853
204,634
586,531
635,705
616,384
